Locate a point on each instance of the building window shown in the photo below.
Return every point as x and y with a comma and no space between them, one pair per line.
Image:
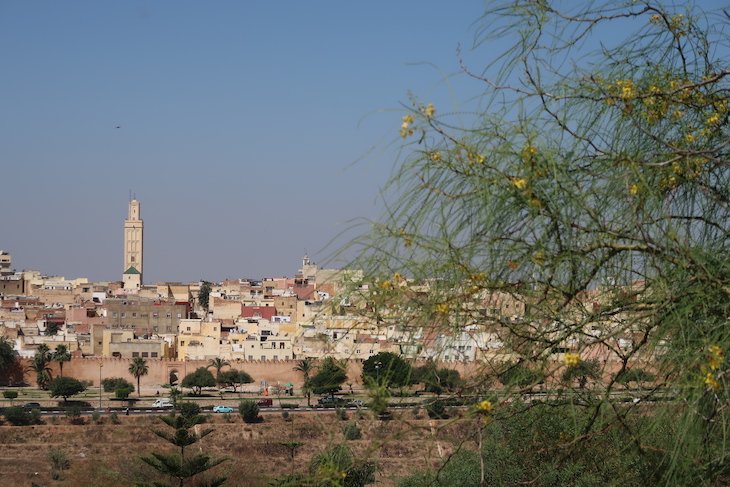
124,315
135,354
179,315
286,357
250,357
114,314
281,345
153,354
169,315
155,315
182,342
134,315
357,351
188,328
276,357
263,358
145,354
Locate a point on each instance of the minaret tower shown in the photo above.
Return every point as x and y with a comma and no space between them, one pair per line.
133,241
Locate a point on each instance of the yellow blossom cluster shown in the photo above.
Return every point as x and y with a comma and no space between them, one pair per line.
634,189
442,308
528,152
572,359
711,382
407,239
385,285
429,111
405,127
519,183
716,358
484,407
435,156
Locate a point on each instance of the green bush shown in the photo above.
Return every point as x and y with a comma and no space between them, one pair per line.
74,415
285,415
352,432
123,392
249,411
18,416
111,384
189,409
10,394
115,418
341,414
437,410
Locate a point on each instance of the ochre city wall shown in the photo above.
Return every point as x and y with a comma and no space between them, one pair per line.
87,369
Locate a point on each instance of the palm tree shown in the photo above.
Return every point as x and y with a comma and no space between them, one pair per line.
305,366
61,355
138,368
218,363
39,365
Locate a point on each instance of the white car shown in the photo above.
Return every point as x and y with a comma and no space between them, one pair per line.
162,404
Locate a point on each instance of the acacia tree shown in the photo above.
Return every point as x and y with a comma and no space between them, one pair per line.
329,378
234,378
138,368
590,194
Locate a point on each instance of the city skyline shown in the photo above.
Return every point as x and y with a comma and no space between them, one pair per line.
252,136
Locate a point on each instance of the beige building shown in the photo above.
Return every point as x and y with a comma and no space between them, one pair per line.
198,339
133,247
123,344
144,316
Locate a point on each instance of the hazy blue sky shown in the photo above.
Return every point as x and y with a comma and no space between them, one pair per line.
250,131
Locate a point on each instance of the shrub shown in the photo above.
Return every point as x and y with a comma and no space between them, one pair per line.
249,411
111,384
285,415
74,413
341,413
18,416
123,392
59,462
96,417
189,409
436,410
352,432
10,394
115,418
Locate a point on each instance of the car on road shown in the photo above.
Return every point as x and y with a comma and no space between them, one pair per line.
222,409
265,403
32,405
355,403
330,402
162,404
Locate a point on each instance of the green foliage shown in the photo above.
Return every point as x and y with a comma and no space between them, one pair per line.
74,415
138,368
179,465
352,432
336,466
39,365
202,377
234,378
437,409
61,355
10,394
387,367
204,295
637,375
66,387
123,392
582,371
249,411
306,367
7,353
519,375
18,416
189,409
115,418
59,462
218,363
111,384
329,378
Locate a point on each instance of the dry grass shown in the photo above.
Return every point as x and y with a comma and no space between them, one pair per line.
107,454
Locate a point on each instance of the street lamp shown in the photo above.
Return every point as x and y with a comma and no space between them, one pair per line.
101,364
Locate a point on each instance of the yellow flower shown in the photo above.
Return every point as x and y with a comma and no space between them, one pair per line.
655,19
716,357
676,168
386,285
408,119
405,127
435,156
713,119
529,151
572,359
429,111
484,406
626,89
397,277
519,183
689,138
442,308
634,189
711,382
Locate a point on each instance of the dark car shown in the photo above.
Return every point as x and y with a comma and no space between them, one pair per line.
32,405
265,403
331,402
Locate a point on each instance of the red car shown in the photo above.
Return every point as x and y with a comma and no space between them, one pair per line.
265,403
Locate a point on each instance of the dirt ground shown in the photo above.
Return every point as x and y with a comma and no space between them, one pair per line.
107,454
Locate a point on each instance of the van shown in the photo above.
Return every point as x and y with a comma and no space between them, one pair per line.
162,404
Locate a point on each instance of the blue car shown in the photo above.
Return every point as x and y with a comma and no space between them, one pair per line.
222,409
